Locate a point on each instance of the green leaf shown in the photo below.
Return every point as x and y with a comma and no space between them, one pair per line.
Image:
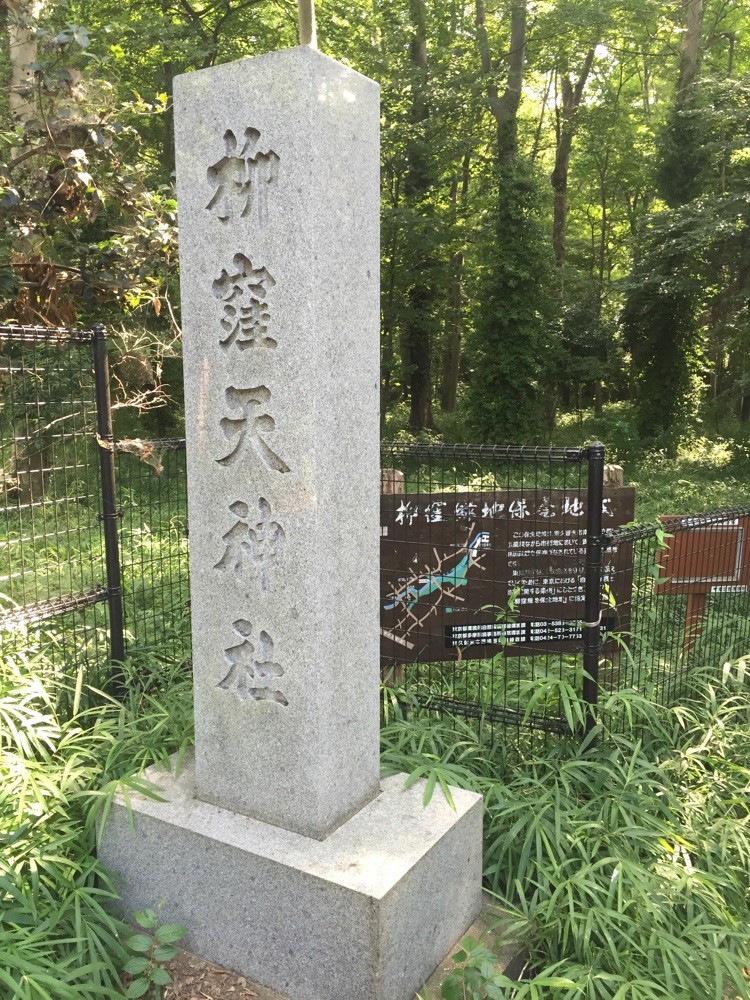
161,977
135,966
169,933
165,952
487,968
429,788
446,788
495,992
451,989
147,918
80,34
139,942
137,988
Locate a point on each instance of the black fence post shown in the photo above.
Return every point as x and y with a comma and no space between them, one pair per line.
592,614
110,513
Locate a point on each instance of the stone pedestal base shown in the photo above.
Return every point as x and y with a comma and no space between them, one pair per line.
369,912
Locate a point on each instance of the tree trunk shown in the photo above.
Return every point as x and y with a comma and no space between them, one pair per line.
603,227
167,69
598,398
22,51
454,323
571,100
387,353
388,312
690,50
505,107
743,281
418,182
538,133
452,346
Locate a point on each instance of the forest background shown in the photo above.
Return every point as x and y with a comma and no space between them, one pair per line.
565,200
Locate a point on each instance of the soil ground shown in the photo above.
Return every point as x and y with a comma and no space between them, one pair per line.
194,979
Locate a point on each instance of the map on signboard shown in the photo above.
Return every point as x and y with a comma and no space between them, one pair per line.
452,564
420,596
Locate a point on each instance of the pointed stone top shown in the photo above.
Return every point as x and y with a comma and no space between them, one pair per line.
296,55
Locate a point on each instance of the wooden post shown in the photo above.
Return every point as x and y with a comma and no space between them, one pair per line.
308,34
694,614
392,482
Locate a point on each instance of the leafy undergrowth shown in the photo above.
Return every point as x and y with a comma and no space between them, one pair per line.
707,470
59,768
625,866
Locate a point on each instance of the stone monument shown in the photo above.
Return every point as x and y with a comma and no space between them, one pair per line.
278,846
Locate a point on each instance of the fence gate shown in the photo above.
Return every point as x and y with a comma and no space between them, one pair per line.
58,537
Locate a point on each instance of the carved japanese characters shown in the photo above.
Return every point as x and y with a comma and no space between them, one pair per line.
249,430
242,178
258,546
254,544
246,316
252,671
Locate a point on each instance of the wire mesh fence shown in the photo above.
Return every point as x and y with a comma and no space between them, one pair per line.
152,494
483,579
495,606
52,574
688,581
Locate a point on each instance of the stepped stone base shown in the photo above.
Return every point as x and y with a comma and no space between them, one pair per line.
369,912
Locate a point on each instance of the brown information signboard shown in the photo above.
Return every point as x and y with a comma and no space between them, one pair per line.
451,563
704,558
713,558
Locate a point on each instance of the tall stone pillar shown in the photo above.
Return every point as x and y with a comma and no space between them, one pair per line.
278,193
278,847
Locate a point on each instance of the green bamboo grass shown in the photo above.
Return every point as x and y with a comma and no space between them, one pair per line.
625,868
59,939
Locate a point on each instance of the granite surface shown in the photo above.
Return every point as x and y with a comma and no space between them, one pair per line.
369,912
277,846
278,193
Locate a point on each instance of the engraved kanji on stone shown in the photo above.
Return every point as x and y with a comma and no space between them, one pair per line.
243,290
260,545
249,429
235,541
252,671
242,178
266,544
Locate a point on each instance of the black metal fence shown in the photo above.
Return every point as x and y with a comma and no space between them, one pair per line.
484,575
571,596
688,581
88,563
513,578
53,579
152,493
491,629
